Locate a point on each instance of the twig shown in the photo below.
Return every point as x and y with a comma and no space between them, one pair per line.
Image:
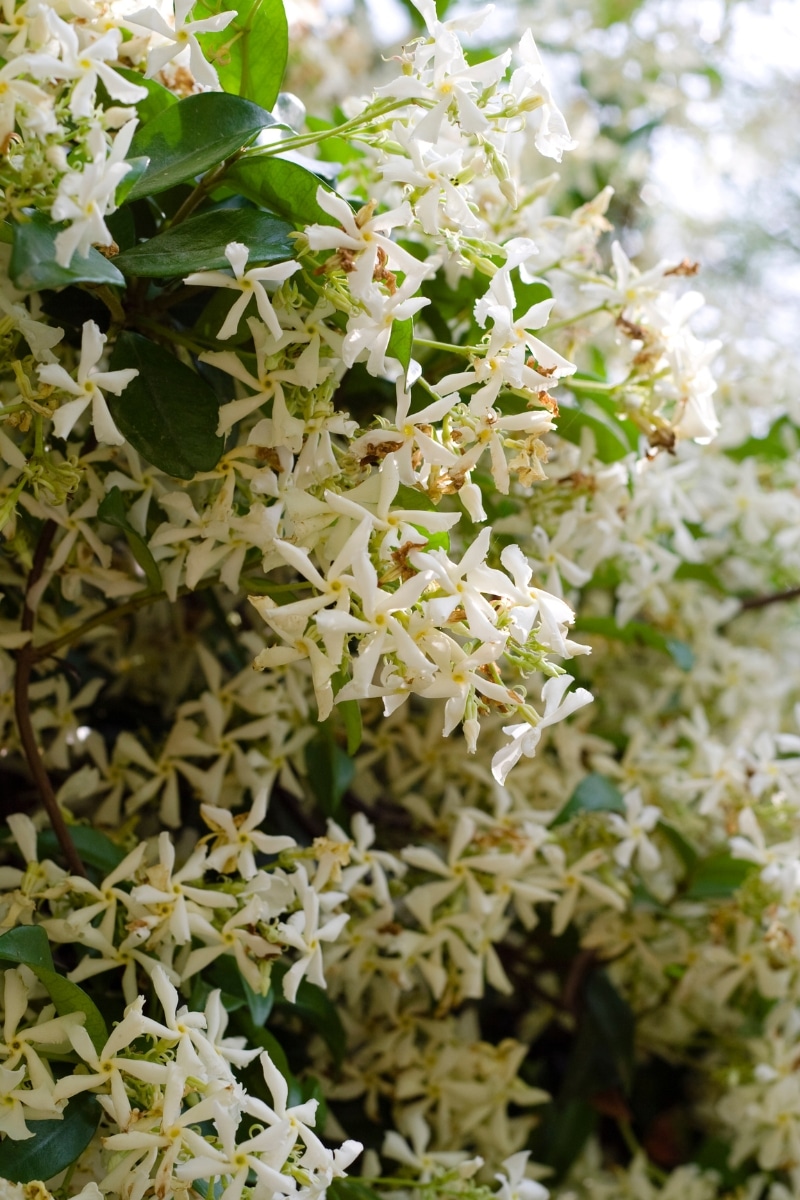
25,660
772,598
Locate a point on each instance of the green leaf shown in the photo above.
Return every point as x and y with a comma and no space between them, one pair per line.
249,54
350,1189
168,413
138,166
281,187
686,852
779,443
33,265
333,149
27,944
401,341
158,97
94,848
112,510
198,244
594,793
330,770
55,1144
638,632
313,1005
69,998
561,1134
192,136
716,877
263,1038
602,1055
260,1006
613,439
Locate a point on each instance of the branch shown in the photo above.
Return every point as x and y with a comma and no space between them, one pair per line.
772,598
26,657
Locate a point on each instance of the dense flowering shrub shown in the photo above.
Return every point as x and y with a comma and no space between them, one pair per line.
484,882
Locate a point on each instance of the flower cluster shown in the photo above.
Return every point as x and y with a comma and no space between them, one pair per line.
326,440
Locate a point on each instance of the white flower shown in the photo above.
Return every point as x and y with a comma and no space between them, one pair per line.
88,386
85,197
525,737
249,284
182,37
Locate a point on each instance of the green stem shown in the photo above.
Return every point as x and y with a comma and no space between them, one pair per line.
310,139
465,350
590,385
567,321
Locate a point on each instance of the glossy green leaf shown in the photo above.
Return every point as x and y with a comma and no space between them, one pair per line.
401,341
602,1055
94,848
260,1006
69,998
716,877
157,99
192,136
168,413
594,793
313,1004
350,713
138,166
330,770
281,187
613,439
198,244
258,1036
33,265
250,53
112,510
26,944
55,1144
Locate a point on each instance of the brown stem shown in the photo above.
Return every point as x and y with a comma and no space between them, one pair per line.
26,657
772,598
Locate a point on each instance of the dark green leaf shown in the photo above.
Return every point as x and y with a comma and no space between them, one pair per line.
330,771
638,632
687,853
594,793
350,1189
94,848
281,187
112,510
68,998
260,1006
158,97
199,244
168,413
602,1056
192,136
313,1005
613,439
138,166
401,341
33,264
350,712
717,876
249,54
55,1145
779,443
562,1132
27,944
258,1036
